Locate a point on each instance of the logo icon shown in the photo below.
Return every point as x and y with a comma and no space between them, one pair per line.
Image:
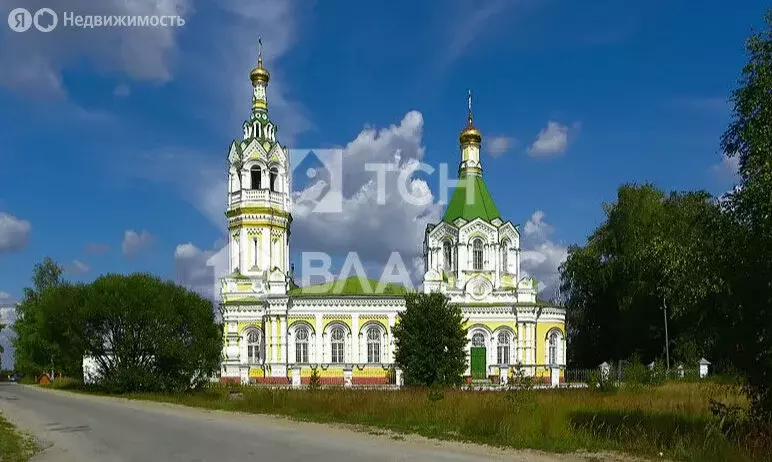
317,180
19,20
45,20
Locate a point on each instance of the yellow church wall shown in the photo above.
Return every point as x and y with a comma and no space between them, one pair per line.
331,372
370,372
327,320
255,372
541,338
246,324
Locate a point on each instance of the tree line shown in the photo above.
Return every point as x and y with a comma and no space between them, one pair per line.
144,334
702,264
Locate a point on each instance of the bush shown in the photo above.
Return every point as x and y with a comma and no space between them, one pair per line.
598,382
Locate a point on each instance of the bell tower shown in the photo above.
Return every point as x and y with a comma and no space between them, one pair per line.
258,207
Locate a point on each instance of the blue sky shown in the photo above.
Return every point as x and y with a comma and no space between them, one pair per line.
114,141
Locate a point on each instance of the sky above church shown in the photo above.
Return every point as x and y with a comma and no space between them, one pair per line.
114,140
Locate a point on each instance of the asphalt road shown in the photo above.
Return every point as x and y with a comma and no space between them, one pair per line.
74,427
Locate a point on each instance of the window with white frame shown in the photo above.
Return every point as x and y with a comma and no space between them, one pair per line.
447,253
256,175
373,345
478,340
505,255
554,338
253,346
503,348
301,345
477,254
337,343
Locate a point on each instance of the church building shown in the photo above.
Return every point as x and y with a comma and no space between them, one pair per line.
276,332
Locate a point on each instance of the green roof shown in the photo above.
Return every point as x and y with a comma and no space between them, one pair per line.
349,286
479,205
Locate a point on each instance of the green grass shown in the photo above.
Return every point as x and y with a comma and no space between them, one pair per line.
15,446
673,419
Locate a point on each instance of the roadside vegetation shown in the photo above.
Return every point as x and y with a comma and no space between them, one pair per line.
15,446
674,419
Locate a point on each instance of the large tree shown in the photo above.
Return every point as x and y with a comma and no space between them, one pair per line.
653,250
33,352
430,340
146,334
746,318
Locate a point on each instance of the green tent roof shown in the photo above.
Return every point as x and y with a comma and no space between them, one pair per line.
479,205
349,286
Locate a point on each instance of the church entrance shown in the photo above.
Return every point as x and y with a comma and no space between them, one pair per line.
477,355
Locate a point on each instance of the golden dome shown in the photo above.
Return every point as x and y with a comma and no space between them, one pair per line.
470,135
259,73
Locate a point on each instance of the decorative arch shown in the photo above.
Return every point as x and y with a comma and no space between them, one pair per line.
373,340
447,254
478,253
506,342
253,345
554,347
337,340
301,342
505,243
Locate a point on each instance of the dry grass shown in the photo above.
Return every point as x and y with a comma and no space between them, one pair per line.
673,419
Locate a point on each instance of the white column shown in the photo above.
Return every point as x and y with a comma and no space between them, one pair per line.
355,357
390,340
283,338
318,351
243,251
274,342
520,342
517,265
267,339
533,342
265,244
497,262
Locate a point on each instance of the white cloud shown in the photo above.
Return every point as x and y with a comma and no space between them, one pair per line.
728,169
541,257
4,298
192,271
368,226
78,267
134,242
34,62
14,233
498,145
551,141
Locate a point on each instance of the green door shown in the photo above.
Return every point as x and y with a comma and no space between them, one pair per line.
478,363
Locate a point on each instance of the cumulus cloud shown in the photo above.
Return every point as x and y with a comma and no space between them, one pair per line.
378,217
552,140
498,145
728,170
7,318
541,257
134,242
193,271
14,233
34,62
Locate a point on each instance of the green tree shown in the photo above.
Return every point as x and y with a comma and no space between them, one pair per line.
430,341
652,249
746,317
33,352
149,335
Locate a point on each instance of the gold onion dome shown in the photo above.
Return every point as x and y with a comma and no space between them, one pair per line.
470,134
259,73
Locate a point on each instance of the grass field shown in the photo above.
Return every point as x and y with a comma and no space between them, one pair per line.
14,446
672,419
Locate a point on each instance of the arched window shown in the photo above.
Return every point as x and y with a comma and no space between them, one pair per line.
478,340
274,174
477,254
447,253
373,345
505,255
553,348
253,347
337,337
503,348
256,175
301,345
